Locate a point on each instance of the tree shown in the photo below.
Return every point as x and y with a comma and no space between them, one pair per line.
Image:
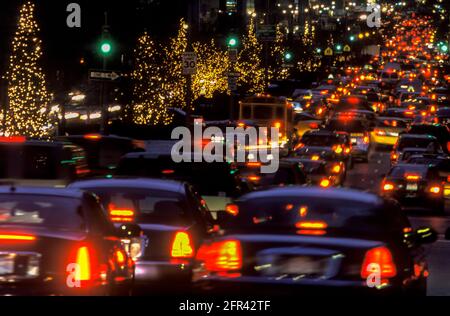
173,68
149,106
212,65
251,72
28,96
277,54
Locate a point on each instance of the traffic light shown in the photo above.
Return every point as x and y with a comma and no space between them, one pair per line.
352,38
105,47
338,47
444,48
318,50
232,41
288,56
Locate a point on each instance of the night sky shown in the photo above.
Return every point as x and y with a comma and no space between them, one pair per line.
64,47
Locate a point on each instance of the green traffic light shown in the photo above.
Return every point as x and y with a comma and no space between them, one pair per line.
105,48
318,50
444,48
338,47
232,42
288,56
352,38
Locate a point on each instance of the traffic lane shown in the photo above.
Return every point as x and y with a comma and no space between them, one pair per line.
368,176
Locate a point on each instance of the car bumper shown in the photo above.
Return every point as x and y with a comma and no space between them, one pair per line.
269,286
154,271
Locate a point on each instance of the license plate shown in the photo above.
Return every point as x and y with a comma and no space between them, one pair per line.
6,264
302,265
354,140
412,187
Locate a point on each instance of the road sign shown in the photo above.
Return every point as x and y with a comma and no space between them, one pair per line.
189,63
104,75
328,52
232,55
266,32
347,48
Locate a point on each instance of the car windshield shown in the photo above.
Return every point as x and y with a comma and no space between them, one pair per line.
59,213
147,205
298,214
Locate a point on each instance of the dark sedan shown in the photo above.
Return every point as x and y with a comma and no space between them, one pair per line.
173,217
300,240
59,242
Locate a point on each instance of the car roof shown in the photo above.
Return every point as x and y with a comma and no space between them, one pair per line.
320,193
101,137
321,132
148,183
411,166
50,191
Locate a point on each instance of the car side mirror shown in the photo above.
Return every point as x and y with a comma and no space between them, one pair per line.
129,231
425,235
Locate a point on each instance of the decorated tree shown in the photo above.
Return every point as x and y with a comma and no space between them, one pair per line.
28,96
172,67
277,71
212,65
149,106
249,65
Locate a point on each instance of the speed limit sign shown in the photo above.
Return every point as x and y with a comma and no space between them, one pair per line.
189,63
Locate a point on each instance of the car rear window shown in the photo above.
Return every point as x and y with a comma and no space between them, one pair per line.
148,205
293,213
350,126
402,172
320,140
59,213
29,161
412,142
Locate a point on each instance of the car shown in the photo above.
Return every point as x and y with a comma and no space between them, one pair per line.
322,173
304,122
173,218
288,173
359,130
339,142
33,162
59,242
217,182
387,130
415,185
301,241
441,132
414,142
103,152
443,116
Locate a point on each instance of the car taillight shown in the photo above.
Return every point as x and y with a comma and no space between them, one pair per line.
435,189
366,139
17,237
336,169
232,209
311,225
394,156
387,186
325,183
223,256
83,261
380,132
182,246
338,149
378,261
120,215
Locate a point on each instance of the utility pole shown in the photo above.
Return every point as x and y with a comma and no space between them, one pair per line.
105,48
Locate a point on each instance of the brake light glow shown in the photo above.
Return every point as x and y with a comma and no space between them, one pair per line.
378,260
388,187
221,256
254,164
120,214
338,149
13,139
336,169
84,264
325,183
435,190
93,136
366,139
311,225
17,237
412,177
254,178
315,158
232,209
168,171
182,246
394,156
